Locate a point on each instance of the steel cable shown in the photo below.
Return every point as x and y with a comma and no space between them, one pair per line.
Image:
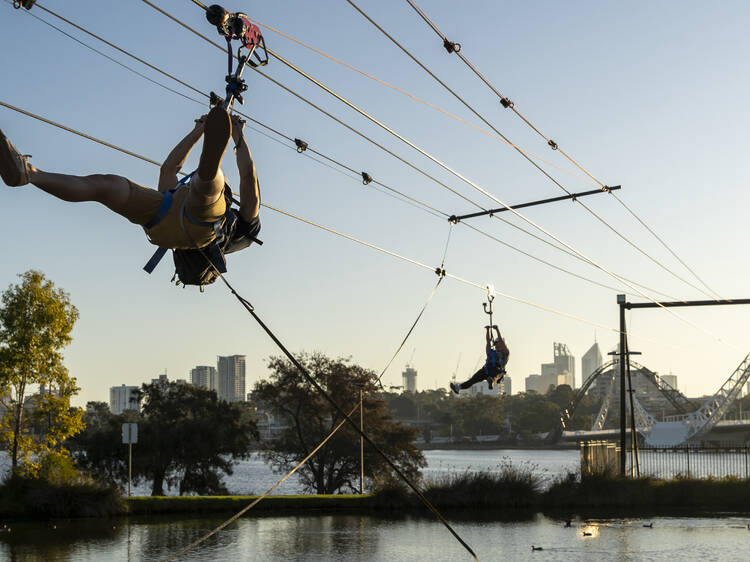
555,146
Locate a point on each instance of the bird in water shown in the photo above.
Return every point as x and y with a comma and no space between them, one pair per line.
533,548
649,525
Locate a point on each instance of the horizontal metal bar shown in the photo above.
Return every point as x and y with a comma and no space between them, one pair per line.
630,305
606,189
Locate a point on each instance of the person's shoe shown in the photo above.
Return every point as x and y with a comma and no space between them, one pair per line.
454,387
14,168
216,134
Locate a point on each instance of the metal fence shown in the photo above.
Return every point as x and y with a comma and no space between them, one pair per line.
694,462
598,457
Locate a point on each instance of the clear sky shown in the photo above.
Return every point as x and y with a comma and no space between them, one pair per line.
647,95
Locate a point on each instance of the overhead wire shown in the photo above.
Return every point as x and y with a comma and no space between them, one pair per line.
554,145
416,98
478,188
588,260
418,203
319,226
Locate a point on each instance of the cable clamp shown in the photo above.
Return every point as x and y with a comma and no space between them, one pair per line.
301,145
453,219
552,144
23,3
450,46
506,103
606,189
440,272
366,178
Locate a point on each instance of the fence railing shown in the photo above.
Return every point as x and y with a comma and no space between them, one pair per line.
598,457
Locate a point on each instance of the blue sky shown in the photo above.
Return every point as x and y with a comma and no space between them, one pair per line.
651,96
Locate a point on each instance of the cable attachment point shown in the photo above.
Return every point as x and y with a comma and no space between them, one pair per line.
23,3
440,272
366,178
450,46
453,219
301,145
552,144
506,103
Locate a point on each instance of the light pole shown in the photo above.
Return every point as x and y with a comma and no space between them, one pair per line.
361,445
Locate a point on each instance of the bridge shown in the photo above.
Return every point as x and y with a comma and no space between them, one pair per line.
688,422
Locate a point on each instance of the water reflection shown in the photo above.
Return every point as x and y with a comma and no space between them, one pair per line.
348,537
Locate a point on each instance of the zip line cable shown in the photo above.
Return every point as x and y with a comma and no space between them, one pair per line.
417,99
542,170
478,188
321,227
318,108
505,102
310,149
364,136
290,139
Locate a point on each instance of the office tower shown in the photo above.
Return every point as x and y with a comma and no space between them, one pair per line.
231,370
123,398
590,361
409,377
533,383
204,376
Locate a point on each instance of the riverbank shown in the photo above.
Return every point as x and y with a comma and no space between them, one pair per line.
484,494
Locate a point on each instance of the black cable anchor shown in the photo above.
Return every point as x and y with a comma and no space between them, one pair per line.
366,178
450,46
506,103
23,3
301,145
237,26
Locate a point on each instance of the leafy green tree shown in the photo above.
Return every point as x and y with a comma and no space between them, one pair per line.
35,324
186,438
311,418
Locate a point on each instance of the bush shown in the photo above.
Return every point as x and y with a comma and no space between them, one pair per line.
58,490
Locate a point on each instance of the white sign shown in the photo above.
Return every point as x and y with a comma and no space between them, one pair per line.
129,433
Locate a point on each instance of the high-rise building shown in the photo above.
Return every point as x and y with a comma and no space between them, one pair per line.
505,385
123,398
670,379
161,379
409,378
204,376
590,361
533,383
231,384
561,371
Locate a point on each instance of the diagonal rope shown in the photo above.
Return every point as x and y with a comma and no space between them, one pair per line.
507,103
267,127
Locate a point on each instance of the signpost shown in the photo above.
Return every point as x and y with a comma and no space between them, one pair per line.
130,436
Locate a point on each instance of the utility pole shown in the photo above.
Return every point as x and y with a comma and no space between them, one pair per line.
361,445
623,344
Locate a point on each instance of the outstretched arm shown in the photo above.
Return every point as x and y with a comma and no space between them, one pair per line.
249,190
176,158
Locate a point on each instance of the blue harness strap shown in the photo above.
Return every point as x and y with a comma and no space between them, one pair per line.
212,250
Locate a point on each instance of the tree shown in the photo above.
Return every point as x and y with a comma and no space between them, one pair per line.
35,324
311,418
186,438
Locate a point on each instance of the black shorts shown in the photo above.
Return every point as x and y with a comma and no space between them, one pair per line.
243,234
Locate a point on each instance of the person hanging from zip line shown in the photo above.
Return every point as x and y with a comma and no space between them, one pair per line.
494,367
193,219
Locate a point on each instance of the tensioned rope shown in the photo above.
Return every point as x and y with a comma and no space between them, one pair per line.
422,151
321,227
534,164
324,441
418,99
307,148
505,102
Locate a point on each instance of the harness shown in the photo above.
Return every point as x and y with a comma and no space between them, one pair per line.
220,228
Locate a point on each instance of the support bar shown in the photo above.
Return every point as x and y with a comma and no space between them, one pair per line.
574,196
630,305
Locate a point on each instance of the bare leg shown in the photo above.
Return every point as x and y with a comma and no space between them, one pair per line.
207,184
110,190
